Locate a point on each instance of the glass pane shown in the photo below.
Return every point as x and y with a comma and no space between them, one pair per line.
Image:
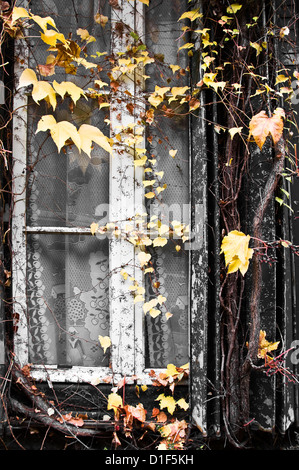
67,289
66,189
67,275
167,339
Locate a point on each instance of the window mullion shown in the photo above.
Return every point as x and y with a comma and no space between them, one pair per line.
121,209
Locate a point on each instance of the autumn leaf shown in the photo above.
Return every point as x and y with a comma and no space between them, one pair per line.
69,88
101,19
89,134
105,342
159,241
257,47
173,153
161,417
138,412
76,421
154,312
43,22
144,258
28,77
188,45
236,251
261,126
43,90
281,78
93,228
147,306
182,404
265,346
114,401
167,402
51,37
19,12
235,130
191,15
60,131
233,8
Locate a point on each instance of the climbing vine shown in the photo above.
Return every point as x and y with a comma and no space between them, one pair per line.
241,75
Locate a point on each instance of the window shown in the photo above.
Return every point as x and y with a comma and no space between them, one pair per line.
71,286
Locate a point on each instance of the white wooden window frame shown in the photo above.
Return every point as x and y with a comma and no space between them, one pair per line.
125,200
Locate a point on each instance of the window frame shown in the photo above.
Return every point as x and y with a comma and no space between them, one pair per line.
132,317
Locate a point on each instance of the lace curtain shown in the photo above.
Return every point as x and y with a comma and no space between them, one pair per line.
68,274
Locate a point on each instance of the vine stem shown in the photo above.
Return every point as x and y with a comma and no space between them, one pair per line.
257,275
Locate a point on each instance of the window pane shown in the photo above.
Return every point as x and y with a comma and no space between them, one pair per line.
69,188
167,339
67,290
67,274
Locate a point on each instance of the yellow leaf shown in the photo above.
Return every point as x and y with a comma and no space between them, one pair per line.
149,305
183,404
172,153
171,370
154,312
46,122
161,299
93,228
159,241
101,19
89,134
28,77
100,83
191,15
51,37
233,8
148,270
177,91
105,342
43,90
167,402
174,68
257,47
60,131
144,258
235,130
148,182
236,251
149,195
114,401
138,298
85,36
146,2
124,274
265,346
69,88
188,45
280,79
161,90
154,99
19,12
43,22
